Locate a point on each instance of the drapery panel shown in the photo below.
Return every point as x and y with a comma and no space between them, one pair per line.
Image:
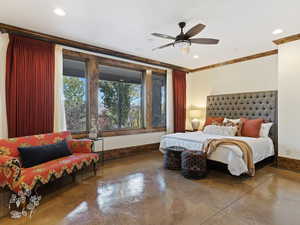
29,86
170,103
4,39
59,106
179,97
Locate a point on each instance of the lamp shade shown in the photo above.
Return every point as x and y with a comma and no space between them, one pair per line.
197,113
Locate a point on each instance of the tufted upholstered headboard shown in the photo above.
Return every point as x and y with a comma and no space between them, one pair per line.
249,105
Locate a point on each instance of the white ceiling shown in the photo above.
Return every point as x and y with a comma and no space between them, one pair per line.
243,27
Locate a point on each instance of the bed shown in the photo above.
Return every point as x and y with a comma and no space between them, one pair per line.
251,105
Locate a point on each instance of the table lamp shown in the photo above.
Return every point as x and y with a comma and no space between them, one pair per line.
197,116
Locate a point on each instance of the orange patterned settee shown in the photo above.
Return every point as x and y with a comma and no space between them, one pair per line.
16,178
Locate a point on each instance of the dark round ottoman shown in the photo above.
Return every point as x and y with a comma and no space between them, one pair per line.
172,158
193,164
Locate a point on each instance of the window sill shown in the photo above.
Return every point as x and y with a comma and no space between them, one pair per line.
77,135
131,132
121,132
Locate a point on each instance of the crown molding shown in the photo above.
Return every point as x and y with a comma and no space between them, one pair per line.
84,46
237,60
80,45
287,39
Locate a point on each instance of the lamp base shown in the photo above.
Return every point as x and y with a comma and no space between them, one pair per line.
195,124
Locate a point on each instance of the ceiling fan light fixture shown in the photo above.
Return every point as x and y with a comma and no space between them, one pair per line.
185,50
183,45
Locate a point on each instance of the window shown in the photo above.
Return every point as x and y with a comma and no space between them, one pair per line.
120,98
158,100
75,94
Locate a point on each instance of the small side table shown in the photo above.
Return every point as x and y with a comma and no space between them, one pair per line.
98,147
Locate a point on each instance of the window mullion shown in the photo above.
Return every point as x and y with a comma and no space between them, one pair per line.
148,99
93,72
119,106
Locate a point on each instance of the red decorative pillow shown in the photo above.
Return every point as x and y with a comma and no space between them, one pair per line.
251,128
80,145
213,121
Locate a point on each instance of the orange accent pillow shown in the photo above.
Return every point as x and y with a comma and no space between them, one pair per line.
213,121
80,145
251,128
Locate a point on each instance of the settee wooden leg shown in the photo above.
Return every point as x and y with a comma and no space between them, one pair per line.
95,168
73,177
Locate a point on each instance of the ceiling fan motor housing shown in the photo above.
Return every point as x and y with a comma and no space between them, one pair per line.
182,43
181,36
182,25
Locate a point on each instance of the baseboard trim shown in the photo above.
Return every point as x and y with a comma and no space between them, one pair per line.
129,151
289,164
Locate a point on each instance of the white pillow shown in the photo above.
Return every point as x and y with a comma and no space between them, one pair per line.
265,129
235,121
220,130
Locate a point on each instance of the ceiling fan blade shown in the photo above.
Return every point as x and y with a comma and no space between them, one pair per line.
206,41
163,36
163,46
195,30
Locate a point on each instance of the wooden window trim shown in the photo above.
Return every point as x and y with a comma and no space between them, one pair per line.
112,62
92,71
148,99
73,57
78,135
131,131
92,65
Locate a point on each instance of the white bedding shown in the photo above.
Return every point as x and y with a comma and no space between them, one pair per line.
231,155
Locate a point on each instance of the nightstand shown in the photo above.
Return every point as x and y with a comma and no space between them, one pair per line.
191,130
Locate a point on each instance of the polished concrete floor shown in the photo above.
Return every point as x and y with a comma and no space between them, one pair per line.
138,191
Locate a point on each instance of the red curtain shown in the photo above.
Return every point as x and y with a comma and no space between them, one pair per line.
29,86
179,90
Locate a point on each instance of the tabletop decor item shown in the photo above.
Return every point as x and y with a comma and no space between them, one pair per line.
23,204
93,134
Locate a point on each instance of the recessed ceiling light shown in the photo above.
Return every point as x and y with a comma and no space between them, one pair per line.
196,56
277,31
59,12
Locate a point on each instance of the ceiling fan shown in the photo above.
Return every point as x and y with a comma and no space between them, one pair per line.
184,40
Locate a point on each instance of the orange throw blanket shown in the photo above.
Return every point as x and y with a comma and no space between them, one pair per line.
211,145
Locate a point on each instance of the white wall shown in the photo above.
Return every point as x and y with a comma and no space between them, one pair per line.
254,75
289,99
131,140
